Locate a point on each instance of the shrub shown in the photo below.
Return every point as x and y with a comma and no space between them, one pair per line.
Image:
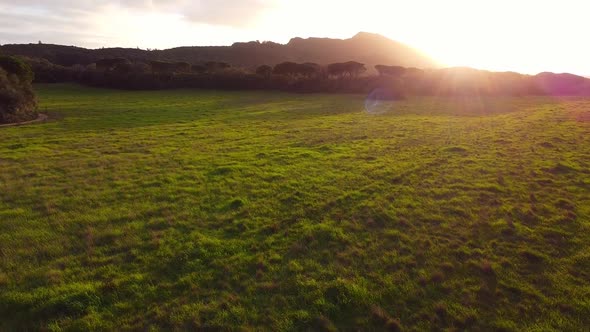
17,100
16,66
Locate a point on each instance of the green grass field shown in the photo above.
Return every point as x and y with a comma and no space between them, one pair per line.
188,209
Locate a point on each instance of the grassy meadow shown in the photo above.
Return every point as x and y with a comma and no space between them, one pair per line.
190,209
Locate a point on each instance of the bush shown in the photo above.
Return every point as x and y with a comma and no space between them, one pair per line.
17,99
16,66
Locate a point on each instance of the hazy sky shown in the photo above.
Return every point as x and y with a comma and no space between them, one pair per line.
521,35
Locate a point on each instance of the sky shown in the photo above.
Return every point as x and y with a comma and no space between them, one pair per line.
527,36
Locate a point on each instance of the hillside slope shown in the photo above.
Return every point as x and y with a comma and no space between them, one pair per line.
367,48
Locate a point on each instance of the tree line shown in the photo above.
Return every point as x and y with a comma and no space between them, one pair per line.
345,77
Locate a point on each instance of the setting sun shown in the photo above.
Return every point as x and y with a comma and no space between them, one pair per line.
522,36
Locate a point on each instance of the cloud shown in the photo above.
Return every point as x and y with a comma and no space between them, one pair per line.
217,12
82,22
228,12
29,21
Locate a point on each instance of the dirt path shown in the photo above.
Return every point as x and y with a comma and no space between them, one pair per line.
40,118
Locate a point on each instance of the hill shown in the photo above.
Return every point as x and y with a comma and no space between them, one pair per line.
563,84
367,48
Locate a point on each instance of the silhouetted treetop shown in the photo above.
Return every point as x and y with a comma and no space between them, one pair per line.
350,69
390,70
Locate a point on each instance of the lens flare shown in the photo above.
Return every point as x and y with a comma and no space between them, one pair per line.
379,101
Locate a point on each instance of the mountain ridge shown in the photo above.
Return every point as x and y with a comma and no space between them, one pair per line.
368,48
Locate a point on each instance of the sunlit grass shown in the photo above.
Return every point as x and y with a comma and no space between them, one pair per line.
187,209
